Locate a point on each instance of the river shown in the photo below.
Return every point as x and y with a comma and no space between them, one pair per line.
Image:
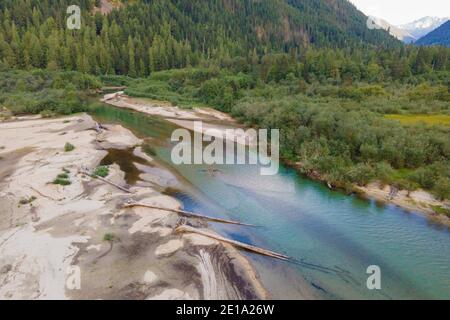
332,237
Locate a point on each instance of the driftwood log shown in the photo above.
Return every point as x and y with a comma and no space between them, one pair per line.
86,172
187,229
186,213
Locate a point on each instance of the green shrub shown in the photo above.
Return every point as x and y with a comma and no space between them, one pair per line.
27,201
63,176
361,174
69,147
62,182
108,237
62,179
442,188
102,171
46,92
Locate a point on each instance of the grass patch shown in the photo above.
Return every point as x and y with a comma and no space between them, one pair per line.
63,176
438,119
402,174
62,179
69,147
442,210
62,182
102,171
108,237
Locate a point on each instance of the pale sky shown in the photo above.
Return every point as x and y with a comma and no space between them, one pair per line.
403,11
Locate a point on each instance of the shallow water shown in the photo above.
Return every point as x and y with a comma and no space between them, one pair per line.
332,237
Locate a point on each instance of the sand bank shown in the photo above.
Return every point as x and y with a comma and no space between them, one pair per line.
214,123
415,201
51,235
419,201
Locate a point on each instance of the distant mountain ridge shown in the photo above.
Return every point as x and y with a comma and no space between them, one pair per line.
440,36
413,31
423,26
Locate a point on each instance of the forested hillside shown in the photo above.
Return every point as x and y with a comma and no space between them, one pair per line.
440,36
145,36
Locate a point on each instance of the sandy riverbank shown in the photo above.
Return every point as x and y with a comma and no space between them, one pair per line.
214,123
419,201
415,201
47,231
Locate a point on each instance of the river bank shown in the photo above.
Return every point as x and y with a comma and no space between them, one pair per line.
49,231
214,123
418,201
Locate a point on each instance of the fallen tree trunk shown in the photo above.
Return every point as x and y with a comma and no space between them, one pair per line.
105,180
234,243
186,213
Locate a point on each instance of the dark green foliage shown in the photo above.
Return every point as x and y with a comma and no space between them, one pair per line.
63,176
439,36
109,237
63,179
102,171
25,201
147,36
46,92
442,188
69,147
62,182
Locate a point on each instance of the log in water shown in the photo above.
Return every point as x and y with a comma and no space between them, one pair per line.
186,213
234,243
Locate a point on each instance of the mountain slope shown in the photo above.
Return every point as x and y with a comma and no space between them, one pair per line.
141,36
283,23
423,26
337,21
440,36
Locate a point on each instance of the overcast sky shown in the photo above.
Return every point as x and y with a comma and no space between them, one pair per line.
404,11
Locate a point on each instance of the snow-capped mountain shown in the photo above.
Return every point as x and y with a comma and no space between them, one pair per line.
410,32
395,31
423,26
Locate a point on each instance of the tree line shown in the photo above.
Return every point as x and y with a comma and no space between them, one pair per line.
147,36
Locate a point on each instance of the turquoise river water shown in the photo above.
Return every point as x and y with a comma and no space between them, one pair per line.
333,238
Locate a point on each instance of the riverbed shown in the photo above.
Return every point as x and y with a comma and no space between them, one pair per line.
333,238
